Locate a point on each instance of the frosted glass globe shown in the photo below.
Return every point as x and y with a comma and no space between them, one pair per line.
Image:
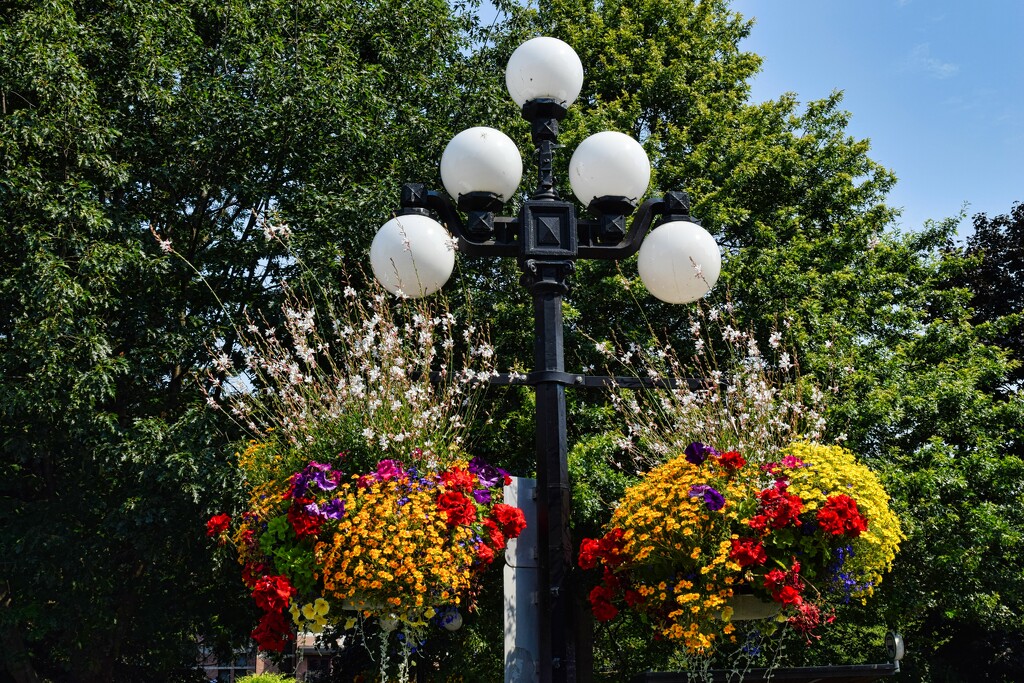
609,164
452,621
481,159
413,255
544,68
679,262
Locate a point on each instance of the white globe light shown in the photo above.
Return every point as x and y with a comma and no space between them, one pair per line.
679,262
544,68
453,621
412,255
609,164
481,159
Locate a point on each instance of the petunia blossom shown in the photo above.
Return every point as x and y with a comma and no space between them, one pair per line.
697,452
333,509
714,500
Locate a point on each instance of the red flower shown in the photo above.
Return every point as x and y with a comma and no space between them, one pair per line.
494,536
633,598
732,460
785,587
788,595
758,523
611,580
777,508
510,519
273,632
611,547
251,573
748,551
457,479
217,525
484,555
272,593
774,579
840,516
458,508
601,605
302,522
808,618
589,553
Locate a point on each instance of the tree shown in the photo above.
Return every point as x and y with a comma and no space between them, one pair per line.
997,279
195,126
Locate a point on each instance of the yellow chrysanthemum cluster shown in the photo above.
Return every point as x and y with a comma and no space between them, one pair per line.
394,553
833,469
261,463
672,534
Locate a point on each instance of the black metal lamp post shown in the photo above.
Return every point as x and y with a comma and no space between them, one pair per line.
679,262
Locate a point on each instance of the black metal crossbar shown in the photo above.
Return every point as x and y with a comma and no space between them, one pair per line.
582,381
853,673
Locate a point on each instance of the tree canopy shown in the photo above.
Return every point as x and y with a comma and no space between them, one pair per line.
198,126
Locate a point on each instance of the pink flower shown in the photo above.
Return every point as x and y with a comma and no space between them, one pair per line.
389,469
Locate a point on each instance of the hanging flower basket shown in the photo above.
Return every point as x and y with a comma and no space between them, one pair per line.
402,545
707,539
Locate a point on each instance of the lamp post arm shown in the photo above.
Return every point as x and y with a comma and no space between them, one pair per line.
416,198
502,244
630,244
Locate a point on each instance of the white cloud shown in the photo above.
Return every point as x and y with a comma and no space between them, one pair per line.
921,60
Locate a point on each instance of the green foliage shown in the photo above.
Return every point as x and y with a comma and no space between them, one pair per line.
205,123
264,678
996,279
598,482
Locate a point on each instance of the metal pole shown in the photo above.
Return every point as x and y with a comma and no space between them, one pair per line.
549,246
557,628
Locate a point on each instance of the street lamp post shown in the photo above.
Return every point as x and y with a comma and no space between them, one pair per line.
609,172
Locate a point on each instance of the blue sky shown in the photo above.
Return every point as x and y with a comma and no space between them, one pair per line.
936,85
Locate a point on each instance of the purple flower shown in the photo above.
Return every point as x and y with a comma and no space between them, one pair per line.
482,496
333,509
697,452
326,479
300,484
320,474
712,498
489,475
